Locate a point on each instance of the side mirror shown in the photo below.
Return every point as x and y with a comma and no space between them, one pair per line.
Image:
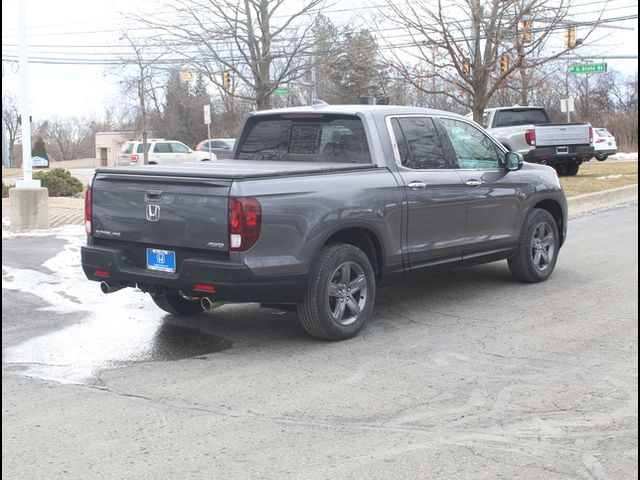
512,161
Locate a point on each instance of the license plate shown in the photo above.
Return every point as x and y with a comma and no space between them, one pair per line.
161,260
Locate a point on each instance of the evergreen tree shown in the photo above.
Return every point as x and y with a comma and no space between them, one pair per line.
39,149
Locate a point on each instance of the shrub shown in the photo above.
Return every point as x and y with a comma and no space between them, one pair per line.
59,182
5,190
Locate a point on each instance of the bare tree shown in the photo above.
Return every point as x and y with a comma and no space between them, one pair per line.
10,117
66,138
142,83
262,44
462,42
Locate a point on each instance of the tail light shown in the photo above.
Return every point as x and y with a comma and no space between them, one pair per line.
87,212
530,137
245,219
600,140
590,134
135,158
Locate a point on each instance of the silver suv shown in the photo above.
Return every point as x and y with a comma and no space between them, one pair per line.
160,151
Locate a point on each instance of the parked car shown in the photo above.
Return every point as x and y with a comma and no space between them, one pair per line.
160,151
39,162
222,147
604,144
322,206
528,131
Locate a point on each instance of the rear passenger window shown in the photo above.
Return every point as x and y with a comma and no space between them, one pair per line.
162,148
418,143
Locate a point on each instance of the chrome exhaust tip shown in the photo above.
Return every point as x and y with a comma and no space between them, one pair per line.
206,303
106,288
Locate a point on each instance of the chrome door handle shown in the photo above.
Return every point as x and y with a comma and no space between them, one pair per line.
416,185
473,183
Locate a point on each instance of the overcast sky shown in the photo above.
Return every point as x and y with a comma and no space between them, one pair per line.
86,30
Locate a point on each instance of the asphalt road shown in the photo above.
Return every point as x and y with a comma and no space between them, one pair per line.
467,375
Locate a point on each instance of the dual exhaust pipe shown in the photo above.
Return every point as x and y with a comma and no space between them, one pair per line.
205,302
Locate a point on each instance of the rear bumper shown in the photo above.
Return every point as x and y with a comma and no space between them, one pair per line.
610,151
232,282
551,155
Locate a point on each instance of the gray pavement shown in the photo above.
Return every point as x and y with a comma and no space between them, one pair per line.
466,375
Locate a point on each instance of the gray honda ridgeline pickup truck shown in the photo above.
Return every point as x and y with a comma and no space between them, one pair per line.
321,206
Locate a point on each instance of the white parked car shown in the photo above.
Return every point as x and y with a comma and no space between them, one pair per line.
161,152
604,144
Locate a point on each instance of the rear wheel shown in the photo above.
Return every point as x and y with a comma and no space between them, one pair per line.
340,296
177,304
572,169
602,158
538,249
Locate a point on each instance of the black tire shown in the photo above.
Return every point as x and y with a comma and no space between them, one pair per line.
538,248
601,158
178,305
340,296
571,169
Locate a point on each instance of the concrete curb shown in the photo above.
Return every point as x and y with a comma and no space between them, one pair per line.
605,198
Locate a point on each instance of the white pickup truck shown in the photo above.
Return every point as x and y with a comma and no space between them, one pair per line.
528,131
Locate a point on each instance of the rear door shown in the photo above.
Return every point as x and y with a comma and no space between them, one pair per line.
163,212
435,198
161,153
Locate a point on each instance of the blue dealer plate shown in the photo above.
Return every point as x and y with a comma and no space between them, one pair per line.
161,260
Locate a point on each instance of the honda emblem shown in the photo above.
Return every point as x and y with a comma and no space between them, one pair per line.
153,213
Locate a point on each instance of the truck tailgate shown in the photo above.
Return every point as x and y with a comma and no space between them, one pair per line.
162,211
562,135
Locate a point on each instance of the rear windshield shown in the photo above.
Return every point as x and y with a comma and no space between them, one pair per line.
126,148
305,138
520,116
603,132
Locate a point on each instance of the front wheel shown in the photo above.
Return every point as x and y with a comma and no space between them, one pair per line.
538,248
340,295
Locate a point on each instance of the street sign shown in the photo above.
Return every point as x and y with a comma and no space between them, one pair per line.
282,91
589,68
207,115
567,105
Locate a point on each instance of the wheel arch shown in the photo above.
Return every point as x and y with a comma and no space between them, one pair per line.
554,208
363,237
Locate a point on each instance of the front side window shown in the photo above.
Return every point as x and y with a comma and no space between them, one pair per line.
179,148
306,138
473,148
418,143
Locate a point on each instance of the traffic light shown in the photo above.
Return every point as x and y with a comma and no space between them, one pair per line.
466,66
226,80
527,33
504,63
570,37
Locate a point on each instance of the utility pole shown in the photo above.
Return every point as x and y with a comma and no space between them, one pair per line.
28,181
567,91
29,201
